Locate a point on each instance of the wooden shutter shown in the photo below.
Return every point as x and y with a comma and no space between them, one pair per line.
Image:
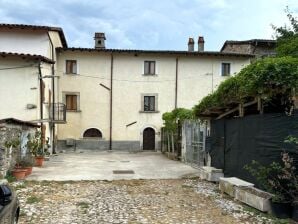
43,133
50,97
146,67
71,67
43,86
152,67
71,102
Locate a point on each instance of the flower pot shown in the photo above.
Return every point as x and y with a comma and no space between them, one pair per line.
281,210
295,211
19,173
28,170
39,160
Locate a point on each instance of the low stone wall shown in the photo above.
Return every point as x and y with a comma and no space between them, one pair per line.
103,145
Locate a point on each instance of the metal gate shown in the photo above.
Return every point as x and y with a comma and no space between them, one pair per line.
194,133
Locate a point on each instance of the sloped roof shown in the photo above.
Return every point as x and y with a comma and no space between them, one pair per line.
20,122
30,56
35,27
252,41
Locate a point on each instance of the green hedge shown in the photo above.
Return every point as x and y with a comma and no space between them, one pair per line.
265,77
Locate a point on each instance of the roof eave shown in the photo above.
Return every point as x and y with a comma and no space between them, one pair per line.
205,53
31,56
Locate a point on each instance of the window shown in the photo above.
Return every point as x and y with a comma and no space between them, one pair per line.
71,102
149,67
92,133
149,103
225,69
71,67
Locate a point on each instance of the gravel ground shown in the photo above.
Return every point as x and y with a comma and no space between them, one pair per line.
129,202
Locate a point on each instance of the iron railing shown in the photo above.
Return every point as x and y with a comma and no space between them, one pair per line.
58,112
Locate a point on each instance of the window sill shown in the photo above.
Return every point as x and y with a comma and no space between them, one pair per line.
149,74
71,74
76,111
150,112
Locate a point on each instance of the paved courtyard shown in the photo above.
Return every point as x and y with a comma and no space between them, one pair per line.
92,165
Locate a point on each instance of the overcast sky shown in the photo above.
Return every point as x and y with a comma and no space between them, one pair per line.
152,24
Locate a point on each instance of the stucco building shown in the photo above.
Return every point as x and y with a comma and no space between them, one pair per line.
114,98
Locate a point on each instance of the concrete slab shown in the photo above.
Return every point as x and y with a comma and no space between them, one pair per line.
229,184
91,165
210,173
237,182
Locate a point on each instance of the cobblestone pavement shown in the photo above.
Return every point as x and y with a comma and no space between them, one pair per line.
129,202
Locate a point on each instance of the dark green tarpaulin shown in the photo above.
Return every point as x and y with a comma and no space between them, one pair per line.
236,142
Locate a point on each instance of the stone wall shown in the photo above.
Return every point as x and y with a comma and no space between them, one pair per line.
238,48
247,48
7,133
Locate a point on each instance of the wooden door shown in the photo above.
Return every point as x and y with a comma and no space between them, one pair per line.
149,139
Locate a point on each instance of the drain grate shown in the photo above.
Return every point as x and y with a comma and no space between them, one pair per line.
123,172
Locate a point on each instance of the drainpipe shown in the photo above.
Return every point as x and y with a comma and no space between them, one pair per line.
53,96
40,98
176,83
111,102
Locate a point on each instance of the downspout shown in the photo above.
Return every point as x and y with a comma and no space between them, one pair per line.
53,96
176,83
111,102
40,98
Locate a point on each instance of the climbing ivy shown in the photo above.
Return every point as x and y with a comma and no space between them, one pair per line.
267,78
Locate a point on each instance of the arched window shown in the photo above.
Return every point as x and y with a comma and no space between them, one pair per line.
92,133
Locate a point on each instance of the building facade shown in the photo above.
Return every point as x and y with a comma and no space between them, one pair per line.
27,66
114,98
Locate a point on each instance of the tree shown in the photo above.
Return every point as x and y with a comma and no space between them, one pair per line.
287,37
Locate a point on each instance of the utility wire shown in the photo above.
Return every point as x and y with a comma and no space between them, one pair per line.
133,81
17,67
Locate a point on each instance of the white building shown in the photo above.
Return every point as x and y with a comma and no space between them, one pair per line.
114,98
27,65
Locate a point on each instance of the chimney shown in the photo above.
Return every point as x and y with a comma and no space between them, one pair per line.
191,44
100,40
201,44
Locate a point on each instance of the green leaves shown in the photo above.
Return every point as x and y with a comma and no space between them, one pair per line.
278,179
179,114
287,37
267,78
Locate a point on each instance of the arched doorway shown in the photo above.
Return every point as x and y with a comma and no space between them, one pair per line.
92,133
148,139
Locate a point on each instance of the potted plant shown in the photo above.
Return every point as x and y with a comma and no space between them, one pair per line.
35,146
280,180
27,163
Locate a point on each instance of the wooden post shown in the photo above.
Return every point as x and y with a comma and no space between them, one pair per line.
168,142
260,105
173,143
241,110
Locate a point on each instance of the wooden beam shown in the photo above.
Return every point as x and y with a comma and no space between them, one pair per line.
237,108
227,113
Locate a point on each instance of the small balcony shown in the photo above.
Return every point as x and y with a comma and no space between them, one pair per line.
58,113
